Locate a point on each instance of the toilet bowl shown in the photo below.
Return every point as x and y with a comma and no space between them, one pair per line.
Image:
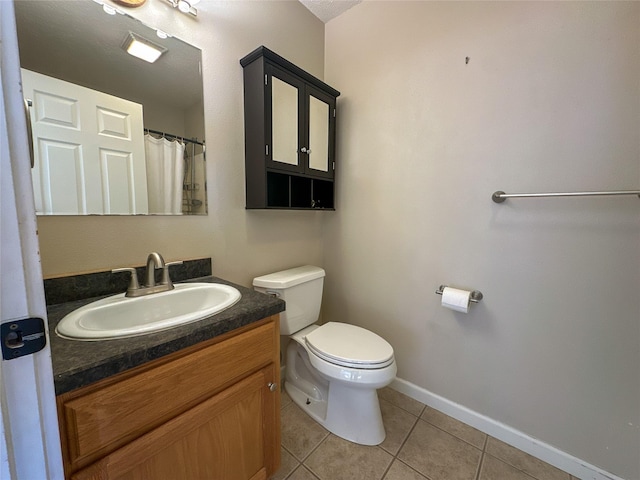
333,370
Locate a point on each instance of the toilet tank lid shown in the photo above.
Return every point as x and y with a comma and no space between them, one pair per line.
289,278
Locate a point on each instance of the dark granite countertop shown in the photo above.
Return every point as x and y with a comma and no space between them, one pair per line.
79,363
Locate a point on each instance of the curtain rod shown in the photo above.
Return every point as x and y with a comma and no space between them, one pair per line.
173,136
500,196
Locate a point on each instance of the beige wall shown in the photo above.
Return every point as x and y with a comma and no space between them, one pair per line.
242,243
549,101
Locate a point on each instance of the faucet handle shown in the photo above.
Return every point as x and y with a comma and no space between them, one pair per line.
133,283
166,280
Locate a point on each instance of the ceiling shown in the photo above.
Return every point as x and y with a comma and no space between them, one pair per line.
325,10
79,43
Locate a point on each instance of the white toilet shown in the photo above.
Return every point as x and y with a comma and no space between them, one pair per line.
333,370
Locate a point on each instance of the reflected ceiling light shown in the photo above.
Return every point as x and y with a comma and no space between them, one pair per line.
108,9
142,48
185,6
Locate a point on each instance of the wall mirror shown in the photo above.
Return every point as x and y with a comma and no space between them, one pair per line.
112,134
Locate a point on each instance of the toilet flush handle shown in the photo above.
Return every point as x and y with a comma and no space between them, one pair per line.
273,293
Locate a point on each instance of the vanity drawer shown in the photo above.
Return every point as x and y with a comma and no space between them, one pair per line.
100,418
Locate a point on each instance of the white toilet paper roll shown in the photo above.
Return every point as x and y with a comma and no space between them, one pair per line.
455,299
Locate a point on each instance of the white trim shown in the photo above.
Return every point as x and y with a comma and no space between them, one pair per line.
30,444
545,452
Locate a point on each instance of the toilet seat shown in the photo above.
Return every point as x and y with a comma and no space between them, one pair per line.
349,346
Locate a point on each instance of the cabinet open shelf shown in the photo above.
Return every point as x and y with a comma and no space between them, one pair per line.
295,192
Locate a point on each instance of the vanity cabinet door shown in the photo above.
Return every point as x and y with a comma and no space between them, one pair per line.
230,436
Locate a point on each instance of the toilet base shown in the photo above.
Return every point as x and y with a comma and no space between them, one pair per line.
358,420
350,412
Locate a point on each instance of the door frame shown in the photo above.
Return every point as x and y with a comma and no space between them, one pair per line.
29,436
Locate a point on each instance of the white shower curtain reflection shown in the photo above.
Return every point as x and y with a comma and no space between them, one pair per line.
165,168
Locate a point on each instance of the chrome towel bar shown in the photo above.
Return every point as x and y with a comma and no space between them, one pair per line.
476,295
500,196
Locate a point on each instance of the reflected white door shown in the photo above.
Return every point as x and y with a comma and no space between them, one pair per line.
89,149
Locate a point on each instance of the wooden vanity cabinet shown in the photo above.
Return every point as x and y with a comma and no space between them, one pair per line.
210,412
290,129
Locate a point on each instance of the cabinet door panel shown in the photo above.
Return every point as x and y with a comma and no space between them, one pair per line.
318,135
233,427
321,133
284,119
285,110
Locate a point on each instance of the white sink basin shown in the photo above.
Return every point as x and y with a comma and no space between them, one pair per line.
119,316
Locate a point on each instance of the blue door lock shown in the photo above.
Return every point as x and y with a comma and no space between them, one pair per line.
22,337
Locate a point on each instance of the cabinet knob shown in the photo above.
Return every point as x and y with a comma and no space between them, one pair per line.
272,386
305,150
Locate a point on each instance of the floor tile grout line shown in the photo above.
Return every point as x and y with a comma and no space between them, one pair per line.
313,450
302,465
480,463
457,437
294,457
506,462
414,470
386,470
327,433
404,442
404,409
408,434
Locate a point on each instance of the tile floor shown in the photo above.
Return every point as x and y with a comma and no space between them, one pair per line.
421,444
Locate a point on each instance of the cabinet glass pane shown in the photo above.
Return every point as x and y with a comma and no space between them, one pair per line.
318,134
284,121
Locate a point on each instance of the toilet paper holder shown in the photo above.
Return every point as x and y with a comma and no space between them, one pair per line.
476,295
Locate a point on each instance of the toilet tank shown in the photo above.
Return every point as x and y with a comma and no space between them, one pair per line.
301,289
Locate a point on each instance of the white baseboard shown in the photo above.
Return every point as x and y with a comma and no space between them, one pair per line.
545,452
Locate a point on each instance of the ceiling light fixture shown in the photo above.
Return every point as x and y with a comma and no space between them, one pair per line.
108,9
185,6
142,48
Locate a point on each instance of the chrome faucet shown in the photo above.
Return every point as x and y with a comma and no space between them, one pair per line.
154,262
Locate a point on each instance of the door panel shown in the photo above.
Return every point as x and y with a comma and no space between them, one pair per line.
92,127
52,183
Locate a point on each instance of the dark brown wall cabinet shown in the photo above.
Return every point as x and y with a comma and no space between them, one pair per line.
290,131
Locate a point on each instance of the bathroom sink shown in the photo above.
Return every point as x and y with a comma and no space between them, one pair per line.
119,316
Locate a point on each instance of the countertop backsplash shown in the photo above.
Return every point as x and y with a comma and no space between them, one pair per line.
78,287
